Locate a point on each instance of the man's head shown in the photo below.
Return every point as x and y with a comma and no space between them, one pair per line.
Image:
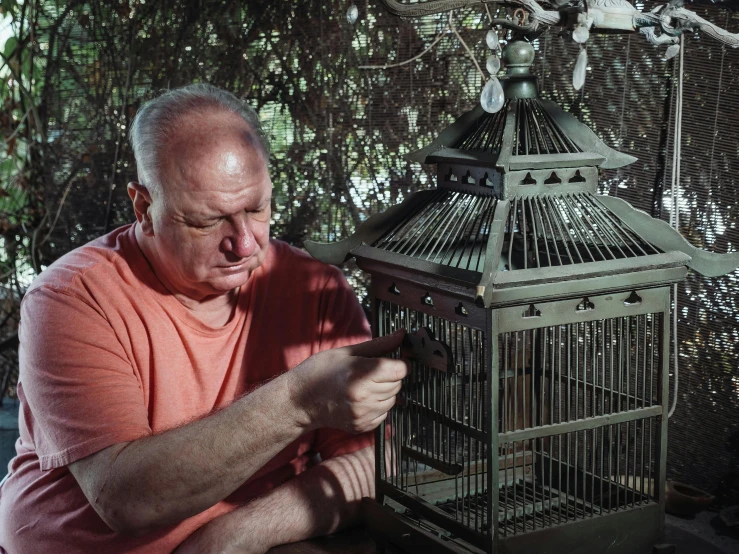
203,196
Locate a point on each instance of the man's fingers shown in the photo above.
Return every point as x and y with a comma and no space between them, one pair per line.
375,422
377,347
387,370
379,419
388,390
386,405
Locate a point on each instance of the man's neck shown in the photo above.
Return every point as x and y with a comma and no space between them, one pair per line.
215,311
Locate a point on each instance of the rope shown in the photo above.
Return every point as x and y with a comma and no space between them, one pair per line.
675,215
425,8
467,48
414,58
449,27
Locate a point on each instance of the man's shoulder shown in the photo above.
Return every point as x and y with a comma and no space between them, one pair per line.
97,261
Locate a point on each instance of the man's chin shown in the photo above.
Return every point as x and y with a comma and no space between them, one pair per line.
225,279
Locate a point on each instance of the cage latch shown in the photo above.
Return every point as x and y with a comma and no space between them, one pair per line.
422,347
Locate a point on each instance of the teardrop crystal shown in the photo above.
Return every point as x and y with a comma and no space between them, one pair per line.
492,98
581,34
352,14
581,68
672,51
493,65
492,39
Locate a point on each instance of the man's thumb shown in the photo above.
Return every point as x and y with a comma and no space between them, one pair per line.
379,346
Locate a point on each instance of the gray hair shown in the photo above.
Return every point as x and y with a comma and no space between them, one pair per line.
156,118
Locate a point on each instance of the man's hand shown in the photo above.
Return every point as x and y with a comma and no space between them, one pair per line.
350,388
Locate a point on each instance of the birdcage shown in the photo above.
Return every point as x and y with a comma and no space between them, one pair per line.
534,415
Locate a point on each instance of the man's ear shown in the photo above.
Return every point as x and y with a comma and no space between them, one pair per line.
141,199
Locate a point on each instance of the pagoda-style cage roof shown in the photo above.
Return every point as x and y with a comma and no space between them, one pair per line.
516,215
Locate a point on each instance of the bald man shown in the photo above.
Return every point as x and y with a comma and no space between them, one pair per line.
186,383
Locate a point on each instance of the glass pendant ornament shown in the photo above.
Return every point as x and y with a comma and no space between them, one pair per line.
581,34
352,14
581,68
492,40
493,65
492,98
672,51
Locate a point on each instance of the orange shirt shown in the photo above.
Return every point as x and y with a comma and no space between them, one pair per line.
108,355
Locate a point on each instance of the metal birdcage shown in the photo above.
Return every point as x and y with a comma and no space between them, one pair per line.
535,411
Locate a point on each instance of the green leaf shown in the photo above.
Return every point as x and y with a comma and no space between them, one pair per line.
9,7
10,44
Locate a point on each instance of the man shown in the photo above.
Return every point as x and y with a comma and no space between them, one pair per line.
178,374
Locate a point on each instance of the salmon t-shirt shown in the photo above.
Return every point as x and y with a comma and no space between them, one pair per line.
108,355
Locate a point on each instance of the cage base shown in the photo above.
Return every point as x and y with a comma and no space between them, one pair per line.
395,534
631,531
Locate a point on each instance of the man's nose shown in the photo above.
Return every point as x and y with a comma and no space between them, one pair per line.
240,240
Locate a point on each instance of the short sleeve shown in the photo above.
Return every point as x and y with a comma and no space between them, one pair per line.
77,380
343,323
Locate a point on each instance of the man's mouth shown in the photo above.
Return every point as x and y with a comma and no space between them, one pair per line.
235,266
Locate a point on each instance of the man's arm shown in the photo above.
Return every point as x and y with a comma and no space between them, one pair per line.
165,478
319,501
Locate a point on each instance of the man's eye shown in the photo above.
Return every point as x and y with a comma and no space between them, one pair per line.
207,226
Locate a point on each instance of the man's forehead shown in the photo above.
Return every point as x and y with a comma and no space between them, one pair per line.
226,140
230,162
249,186
216,198
216,181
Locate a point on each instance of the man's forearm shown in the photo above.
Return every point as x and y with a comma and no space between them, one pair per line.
319,501
164,479
186,470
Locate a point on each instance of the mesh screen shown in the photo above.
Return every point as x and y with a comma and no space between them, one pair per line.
339,134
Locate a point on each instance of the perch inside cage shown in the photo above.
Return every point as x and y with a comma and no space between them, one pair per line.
535,409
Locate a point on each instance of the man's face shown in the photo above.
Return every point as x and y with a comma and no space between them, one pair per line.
210,221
